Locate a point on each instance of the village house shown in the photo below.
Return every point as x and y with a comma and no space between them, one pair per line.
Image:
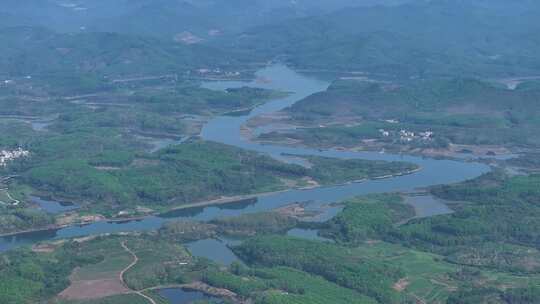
7,156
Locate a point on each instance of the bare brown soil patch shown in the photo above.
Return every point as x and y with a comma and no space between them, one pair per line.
107,168
187,38
46,247
401,285
73,217
213,291
94,289
372,242
96,281
298,210
293,210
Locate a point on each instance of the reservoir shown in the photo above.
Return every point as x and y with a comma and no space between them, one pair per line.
181,296
226,129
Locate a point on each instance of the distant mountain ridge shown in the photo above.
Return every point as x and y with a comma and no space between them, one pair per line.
443,37
165,18
40,51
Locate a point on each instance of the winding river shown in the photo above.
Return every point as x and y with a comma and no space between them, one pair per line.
226,129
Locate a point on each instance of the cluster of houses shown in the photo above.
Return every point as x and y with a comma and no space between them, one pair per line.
216,72
7,156
408,136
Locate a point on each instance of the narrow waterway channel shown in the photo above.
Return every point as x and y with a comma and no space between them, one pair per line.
226,129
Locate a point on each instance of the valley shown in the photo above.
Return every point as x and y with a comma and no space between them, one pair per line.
269,152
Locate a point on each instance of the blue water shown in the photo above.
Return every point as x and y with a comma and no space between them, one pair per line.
216,250
182,296
226,129
51,206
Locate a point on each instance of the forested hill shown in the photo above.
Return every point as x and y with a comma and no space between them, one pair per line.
419,39
167,18
35,51
407,39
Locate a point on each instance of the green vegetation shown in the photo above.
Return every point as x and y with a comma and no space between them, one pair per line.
18,217
381,256
120,299
334,263
30,277
329,136
186,231
395,42
103,108
371,217
485,251
88,158
332,171
14,134
425,275
87,57
527,161
95,145
98,152
478,254
495,224
76,158
112,259
257,223
457,111
281,285
27,276
529,294
205,101
159,263
22,219
177,175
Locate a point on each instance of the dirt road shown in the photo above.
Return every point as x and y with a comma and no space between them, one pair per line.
135,261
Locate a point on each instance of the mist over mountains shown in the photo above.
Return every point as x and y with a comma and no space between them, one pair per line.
237,151
403,38
165,17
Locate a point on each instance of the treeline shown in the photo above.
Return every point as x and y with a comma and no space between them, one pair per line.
38,277
494,229
527,295
280,285
365,218
186,173
335,263
330,170
530,161
20,219
419,106
496,223
190,172
29,277
257,223
195,100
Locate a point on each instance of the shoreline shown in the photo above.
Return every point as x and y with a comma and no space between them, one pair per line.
206,203
443,154
477,152
28,231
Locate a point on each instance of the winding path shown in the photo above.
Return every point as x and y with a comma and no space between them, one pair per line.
227,130
16,201
135,261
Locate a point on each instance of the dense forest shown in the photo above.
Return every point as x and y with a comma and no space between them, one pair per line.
103,108
457,111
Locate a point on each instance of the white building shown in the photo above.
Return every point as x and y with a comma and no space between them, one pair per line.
7,156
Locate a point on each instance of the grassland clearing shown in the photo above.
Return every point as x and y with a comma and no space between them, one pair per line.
102,279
